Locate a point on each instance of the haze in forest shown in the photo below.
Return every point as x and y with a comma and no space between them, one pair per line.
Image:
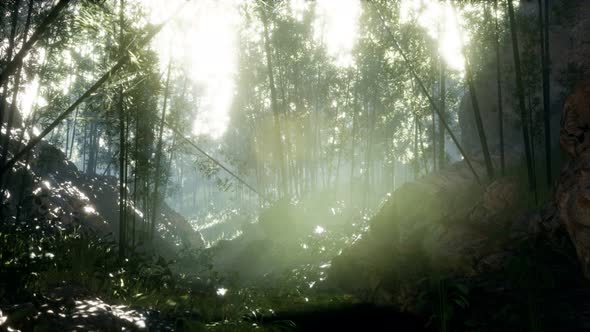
237,165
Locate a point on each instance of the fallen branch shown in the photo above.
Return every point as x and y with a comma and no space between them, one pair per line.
194,145
399,49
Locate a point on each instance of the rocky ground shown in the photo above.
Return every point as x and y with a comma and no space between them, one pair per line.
73,308
48,198
51,188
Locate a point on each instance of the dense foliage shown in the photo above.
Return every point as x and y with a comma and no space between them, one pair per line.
318,127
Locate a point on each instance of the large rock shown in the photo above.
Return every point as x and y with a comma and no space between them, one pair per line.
273,245
443,223
574,135
50,189
573,192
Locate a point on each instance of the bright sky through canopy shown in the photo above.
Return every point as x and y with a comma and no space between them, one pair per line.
202,39
336,26
440,22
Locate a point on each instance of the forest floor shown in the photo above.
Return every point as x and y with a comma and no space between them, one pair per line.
63,279
73,308
275,276
542,289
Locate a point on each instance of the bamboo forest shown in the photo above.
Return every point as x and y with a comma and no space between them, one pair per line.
295,165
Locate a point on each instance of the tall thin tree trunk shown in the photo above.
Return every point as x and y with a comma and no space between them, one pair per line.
15,62
13,108
416,160
476,111
97,149
370,111
122,189
443,106
274,106
3,103
126,177
122,203
157,176
443,97
353,143
544,27
478,121
49,129
532,135
521,98
432,102
68,125
339,159
73,134
434,154
341,134
84,147
147,210
10,50
422,149
136,182
499,88
91,167
434,114
286,129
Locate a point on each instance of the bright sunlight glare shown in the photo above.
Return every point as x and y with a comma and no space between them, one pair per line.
441,23
30,96
336,26
221,291
203,39
319,230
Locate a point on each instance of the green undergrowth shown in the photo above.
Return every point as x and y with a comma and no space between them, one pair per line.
524,291
37,258
188,292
